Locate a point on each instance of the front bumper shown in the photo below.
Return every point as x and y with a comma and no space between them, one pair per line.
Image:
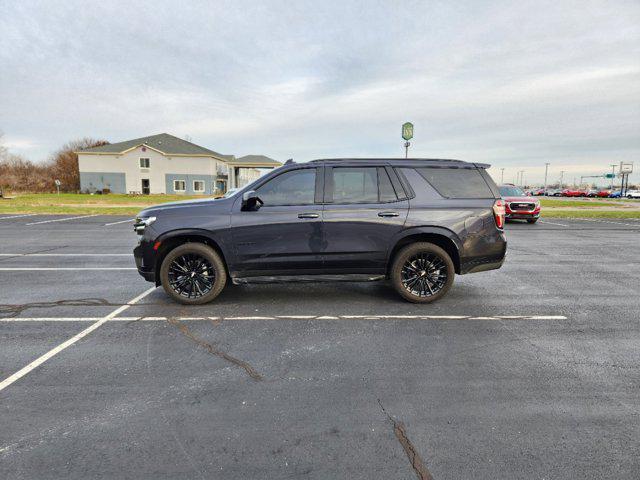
521,215
144,264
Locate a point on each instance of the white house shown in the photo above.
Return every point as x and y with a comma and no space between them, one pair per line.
165,164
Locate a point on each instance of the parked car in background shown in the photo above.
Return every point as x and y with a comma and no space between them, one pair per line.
632,193
553,192
603,193
416,222
573,192
519,205
538,192
617,194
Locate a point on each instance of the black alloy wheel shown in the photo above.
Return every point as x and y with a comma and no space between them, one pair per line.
193,273
422,272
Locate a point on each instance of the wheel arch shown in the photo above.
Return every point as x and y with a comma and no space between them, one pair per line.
171,240
442,237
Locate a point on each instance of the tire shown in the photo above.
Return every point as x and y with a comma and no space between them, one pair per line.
193,274
532,220
422,256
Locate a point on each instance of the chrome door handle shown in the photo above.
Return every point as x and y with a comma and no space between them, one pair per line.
308,215
388,214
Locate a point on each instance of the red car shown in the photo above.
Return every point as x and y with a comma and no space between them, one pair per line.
518,205
570,192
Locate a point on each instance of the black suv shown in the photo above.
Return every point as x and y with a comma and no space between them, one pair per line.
417,222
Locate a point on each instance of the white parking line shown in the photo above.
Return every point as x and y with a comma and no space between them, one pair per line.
291,317
62,219
116,223
65,254
40,360
551,223
18,216
56,269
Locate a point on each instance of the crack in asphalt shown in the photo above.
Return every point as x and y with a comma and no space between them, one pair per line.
215,351
414,457
13,310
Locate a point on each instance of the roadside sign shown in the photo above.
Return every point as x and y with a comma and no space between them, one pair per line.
610,175
407,131
626,167
57,182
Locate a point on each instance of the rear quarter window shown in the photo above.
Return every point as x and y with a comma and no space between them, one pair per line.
457,182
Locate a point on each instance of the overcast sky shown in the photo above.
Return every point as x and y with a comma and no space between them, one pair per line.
514,84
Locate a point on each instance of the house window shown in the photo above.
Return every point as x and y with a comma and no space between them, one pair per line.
198,186
179,185
144,163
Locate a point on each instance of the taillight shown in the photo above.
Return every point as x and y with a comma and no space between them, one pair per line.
498,213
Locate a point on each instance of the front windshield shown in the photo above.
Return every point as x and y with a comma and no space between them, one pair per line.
509,191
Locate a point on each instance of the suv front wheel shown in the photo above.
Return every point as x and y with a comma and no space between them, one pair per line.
422,272
193,274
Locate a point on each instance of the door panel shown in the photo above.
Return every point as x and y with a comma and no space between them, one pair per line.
357,238
280,239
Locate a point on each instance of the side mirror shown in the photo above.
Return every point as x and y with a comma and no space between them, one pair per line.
250,201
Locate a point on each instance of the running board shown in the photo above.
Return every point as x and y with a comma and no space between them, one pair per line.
358,277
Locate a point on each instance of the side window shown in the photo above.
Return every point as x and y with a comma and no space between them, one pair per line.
457,182
387,193
362,185
355,184
296,187
144,163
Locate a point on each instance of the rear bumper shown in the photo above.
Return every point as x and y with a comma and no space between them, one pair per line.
489,254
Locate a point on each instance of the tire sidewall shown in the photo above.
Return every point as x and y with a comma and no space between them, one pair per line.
205,251
407,252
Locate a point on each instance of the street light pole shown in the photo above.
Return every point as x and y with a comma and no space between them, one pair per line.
561,176
546,169
613,171
502,175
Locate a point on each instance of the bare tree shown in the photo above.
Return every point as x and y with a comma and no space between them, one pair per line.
64,162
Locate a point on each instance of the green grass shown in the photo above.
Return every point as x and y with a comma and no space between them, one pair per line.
594,213
552,202
72,203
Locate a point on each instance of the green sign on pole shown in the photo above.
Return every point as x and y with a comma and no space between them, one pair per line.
610,175
407,131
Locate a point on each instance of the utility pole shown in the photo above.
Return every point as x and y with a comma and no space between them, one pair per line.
561,176
613,170
546,169
502,175
523,184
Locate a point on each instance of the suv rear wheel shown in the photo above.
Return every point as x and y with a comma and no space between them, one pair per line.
422,272
193,274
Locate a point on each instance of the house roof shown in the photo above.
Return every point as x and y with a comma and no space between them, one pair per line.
165,143
255,160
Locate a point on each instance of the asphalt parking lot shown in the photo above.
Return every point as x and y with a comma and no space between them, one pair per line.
531,371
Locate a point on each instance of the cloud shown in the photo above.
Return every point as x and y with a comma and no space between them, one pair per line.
515,84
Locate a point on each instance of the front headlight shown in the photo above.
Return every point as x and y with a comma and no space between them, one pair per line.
141,223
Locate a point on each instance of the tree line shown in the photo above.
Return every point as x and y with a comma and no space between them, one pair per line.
19,174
